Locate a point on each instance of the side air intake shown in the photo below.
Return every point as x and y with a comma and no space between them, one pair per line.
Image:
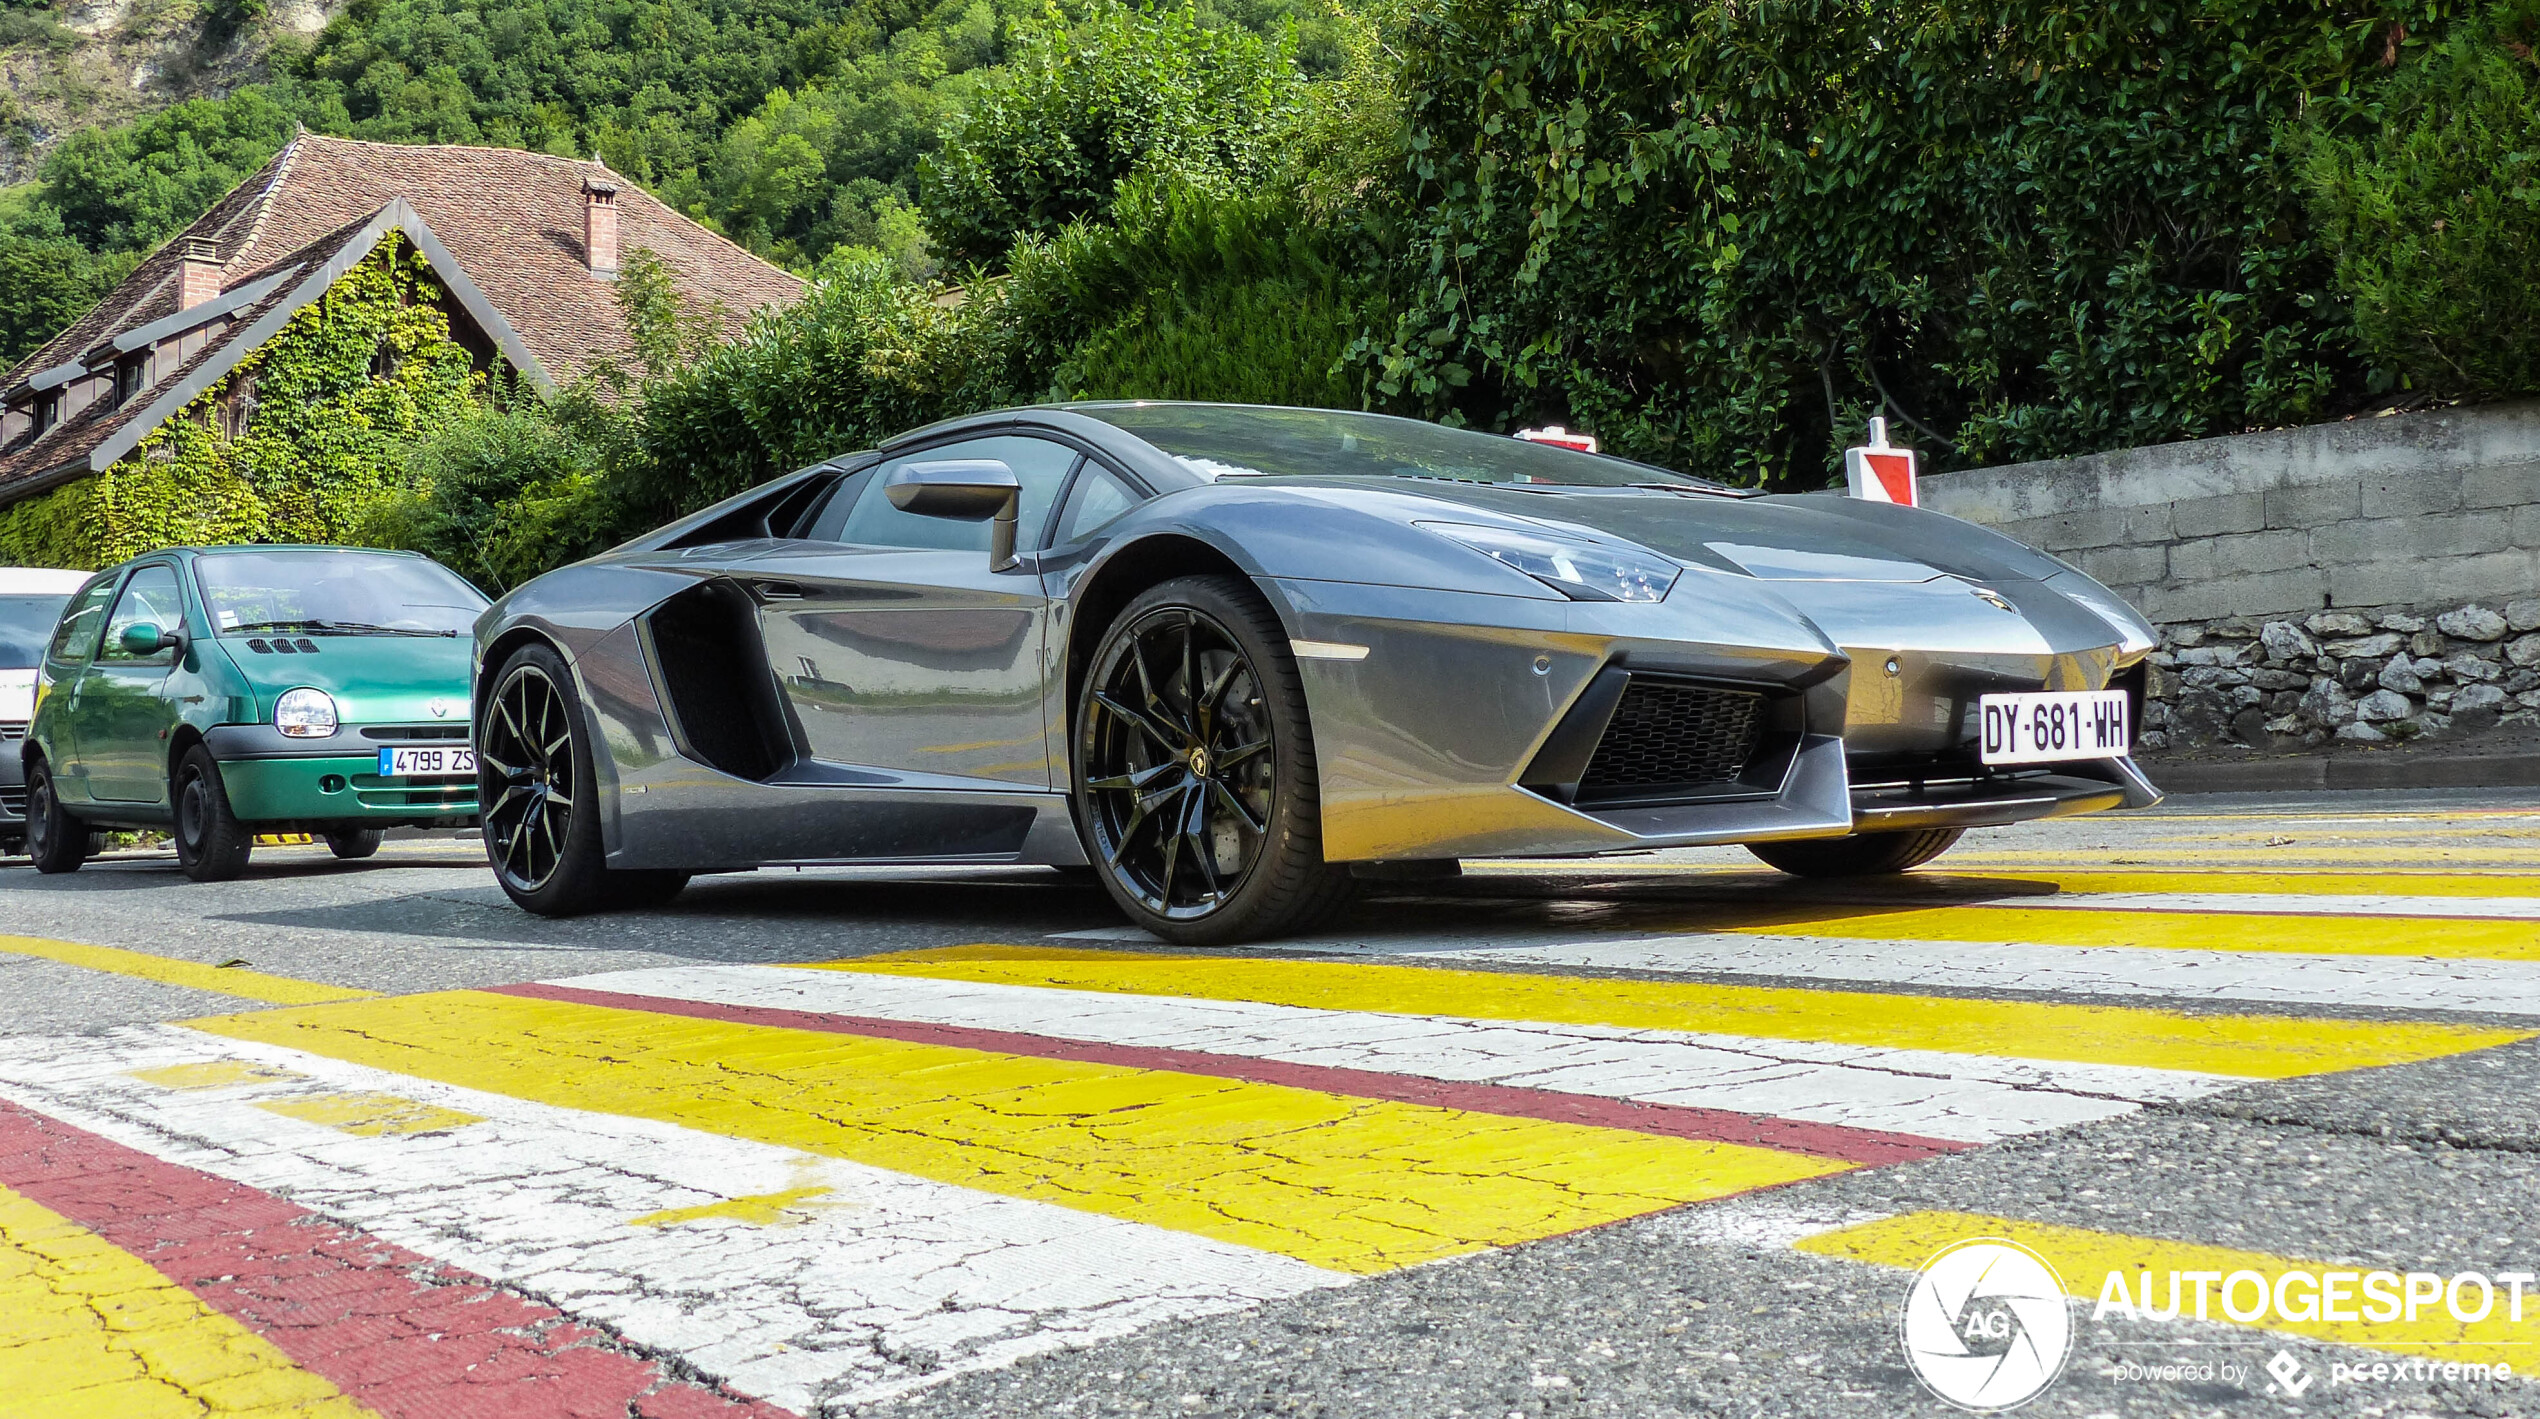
722,698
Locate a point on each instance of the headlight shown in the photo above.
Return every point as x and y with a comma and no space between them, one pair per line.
305,713
1582,571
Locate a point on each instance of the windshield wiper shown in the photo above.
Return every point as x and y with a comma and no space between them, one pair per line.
359,628
365,628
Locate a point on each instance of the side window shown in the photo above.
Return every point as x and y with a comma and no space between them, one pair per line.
1099,497
149,599
76,637
1041,466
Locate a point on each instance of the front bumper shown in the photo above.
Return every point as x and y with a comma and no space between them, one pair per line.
273,780
1472,726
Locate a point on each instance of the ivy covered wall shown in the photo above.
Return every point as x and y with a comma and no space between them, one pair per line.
301,442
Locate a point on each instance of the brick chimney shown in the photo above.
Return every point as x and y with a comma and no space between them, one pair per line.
198,273
599,221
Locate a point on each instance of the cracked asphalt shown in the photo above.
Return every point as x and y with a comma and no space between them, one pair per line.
1660,1135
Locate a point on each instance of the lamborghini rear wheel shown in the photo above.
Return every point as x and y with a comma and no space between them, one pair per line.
536,795
1861,855
1195,778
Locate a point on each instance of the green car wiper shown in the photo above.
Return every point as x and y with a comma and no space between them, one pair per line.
365,628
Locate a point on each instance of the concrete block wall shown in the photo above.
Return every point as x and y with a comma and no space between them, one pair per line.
2369,581
2410,510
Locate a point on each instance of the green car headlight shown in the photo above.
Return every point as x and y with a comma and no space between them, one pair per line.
1582,571
305,713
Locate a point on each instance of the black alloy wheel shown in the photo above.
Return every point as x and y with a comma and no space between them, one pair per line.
535,797
526,777
1195,784
55,840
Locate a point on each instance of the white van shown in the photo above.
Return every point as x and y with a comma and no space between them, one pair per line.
31,600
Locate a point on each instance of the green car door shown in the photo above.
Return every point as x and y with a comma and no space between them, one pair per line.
65,665
125,708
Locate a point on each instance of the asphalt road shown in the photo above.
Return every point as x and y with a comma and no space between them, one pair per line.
1659,1135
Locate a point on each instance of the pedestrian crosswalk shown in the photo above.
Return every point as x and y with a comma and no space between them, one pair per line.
832,1181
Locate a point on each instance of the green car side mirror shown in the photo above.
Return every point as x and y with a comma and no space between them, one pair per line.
143,638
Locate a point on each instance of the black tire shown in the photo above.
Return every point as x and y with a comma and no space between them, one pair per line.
354,844
211,844
55,840
536,796
1247,803
1861,855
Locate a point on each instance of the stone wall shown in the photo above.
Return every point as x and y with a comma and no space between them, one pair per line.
2365,581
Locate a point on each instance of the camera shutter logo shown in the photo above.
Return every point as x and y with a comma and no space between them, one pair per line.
1987,1326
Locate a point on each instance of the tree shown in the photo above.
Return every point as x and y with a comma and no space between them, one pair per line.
1083,106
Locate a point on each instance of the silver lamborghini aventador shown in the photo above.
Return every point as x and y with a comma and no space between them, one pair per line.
1229,659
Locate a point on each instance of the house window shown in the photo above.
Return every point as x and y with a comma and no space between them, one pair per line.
48,410
131,377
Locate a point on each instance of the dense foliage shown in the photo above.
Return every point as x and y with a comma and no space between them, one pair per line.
2433,210
1719,235
1722,233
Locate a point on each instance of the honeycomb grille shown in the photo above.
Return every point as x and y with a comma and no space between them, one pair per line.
12,802
1670,736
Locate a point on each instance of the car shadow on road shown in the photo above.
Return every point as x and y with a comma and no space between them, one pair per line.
753,917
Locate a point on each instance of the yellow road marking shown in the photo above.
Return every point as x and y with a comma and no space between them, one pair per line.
2368,854
2085,1258
2486,939
369,1115
1946,879
215,1074
1355,1185
168,970
2245,1046
766,1209
90,1331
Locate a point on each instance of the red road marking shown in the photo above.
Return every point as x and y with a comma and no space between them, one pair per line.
395,1331
1817,1140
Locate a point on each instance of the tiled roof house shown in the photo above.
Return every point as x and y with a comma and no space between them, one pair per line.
528,246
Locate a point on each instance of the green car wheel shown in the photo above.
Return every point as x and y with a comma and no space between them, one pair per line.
56,841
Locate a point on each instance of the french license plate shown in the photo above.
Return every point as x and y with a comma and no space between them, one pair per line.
426,763
2055,727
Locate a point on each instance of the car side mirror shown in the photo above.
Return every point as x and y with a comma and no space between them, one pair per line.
143,639
966,490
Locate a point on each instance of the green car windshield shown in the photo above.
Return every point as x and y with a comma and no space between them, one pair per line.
333,593
1246,441
26,623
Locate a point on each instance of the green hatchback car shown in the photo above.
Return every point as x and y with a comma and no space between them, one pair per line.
221,693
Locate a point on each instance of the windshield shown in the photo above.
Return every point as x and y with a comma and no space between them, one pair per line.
26,623
1243,441
334,593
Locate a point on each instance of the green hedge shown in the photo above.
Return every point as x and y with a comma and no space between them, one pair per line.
1721,234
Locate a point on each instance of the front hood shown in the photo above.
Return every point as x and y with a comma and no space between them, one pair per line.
17,696
374,679
1804,537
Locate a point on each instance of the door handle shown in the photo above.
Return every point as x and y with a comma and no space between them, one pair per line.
779,591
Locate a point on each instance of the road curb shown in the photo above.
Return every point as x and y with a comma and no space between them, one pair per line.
2358,771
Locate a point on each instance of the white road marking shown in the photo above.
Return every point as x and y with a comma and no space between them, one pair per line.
880,1284
2130,972
1967,1097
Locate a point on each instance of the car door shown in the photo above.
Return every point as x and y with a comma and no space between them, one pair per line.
66,663
898,649
125,711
